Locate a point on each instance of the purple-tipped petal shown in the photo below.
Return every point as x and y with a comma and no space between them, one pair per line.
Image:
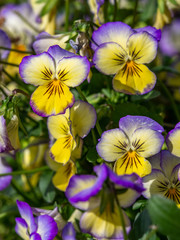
151,30
6,180
83,187
118,32
68,232
26,214
47,227
131,123
21,228
58,53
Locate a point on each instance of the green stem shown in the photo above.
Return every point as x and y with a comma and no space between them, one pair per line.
135,13
16,50
67,15
2,90
171,99
30,171
94,136
8,63
85,99
32,188
115,10
122,217
16,91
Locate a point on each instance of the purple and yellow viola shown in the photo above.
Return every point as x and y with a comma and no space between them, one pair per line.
123,51
164,178
136,139
96,196
173,140
54,72
29,227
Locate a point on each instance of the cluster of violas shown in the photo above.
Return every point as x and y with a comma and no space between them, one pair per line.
140,167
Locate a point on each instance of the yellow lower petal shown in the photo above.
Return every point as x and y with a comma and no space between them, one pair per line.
62,148
107,224
51,99
63,175
134,79
130,163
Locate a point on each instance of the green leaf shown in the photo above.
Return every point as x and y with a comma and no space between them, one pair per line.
48,7
165,214
92,155
121,110
149,10
46,187
139,204
161,5
150,95
174,2
141,225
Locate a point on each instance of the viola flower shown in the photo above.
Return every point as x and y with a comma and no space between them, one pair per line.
96,7
94,195
164,177
29,227
5,144
69,129
122,51
4,168
136,139
173,140
53,72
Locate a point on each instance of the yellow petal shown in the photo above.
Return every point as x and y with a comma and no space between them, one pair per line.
58,126
112,145
134,79
51,99
73,70
63,175
142,47
106,224
109,58
130,163
173,142
83,118
62,148
37,70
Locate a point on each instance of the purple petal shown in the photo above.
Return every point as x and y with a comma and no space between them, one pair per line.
156,33
47,227
83,194
177,125
58,53
35,236
169,43
68,232
26,214
6,180
132,181
131,123
107,31
4,42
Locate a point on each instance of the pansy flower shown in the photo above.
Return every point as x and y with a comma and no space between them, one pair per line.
95,196
136,139
122,51
54,72
164,178
173,140
68,130
29,227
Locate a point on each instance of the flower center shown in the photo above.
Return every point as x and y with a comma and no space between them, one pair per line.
54,87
